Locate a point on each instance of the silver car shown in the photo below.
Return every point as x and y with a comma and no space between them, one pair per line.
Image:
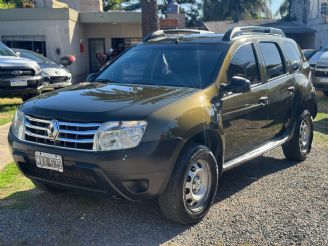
55,75
320,78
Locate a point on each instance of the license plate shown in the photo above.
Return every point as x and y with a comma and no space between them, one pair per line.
18,82
324,80
49,161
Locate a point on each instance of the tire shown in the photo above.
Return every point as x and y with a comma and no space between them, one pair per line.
196,168
47,187
300,145
326,93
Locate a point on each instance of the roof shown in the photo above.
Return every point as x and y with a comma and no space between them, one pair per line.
22,14
287,27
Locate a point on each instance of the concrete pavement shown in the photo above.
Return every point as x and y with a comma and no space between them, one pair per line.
5,156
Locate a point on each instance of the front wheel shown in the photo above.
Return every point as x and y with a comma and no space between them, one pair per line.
192,186
300,145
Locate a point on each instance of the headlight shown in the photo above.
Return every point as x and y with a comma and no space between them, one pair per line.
119,135
18,125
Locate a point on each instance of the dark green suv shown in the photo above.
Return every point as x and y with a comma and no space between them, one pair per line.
169,116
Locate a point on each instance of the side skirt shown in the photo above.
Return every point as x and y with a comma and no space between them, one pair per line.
254,153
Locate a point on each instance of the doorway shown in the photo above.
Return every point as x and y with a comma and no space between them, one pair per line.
96,46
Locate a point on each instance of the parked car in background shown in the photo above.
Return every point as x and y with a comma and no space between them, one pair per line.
165,119
19,77
308,53
320,73
55,75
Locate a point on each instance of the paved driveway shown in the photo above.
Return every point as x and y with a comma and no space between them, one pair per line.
5,156
264,202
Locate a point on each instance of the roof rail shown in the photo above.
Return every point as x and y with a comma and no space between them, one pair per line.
164,33
251,30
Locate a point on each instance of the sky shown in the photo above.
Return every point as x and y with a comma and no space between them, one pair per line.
275,4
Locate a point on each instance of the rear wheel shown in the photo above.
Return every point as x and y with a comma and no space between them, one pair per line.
47,187
192,186
300,145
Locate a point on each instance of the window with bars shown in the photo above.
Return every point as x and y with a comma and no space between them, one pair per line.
324,8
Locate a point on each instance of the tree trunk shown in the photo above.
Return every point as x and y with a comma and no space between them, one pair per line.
150,22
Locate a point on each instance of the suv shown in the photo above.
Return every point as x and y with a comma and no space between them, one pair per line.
19,77
168,117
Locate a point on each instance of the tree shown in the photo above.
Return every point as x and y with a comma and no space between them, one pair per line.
5,4
234,9
150,22
285,10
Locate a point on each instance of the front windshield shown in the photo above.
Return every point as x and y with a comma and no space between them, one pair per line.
182,65
5,51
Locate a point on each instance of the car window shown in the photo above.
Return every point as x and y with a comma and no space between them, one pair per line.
5,51
272,60
291,52
244,64
182,64
31,56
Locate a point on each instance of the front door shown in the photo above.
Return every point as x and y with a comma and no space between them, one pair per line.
96,46
245,115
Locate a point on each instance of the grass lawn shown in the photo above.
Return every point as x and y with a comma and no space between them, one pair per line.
8,108
11,183
321,122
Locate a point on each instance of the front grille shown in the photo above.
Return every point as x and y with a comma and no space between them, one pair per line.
9,73
71,176
58,79
321,72
71,135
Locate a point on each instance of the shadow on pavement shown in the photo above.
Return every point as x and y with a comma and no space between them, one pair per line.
71,218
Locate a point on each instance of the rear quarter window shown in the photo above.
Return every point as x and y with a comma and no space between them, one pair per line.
292,53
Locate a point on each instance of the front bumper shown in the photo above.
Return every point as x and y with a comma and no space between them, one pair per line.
135,174
320,83
34,85
49,86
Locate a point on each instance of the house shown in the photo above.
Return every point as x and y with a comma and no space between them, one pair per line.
70,27
314,14
304,35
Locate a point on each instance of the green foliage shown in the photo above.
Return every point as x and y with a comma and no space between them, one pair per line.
235,9
285,11
6,4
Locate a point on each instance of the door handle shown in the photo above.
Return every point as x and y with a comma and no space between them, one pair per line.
264,100
291,89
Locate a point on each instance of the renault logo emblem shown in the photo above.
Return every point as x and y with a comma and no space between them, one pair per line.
53,130
17,72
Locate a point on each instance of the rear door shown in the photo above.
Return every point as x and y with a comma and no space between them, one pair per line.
245,115
280,82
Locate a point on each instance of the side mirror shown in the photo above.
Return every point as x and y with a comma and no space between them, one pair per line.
239,85
296,65
18,53
91,77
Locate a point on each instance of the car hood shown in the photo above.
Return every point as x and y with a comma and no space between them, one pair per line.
99,102
323,60
12,61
